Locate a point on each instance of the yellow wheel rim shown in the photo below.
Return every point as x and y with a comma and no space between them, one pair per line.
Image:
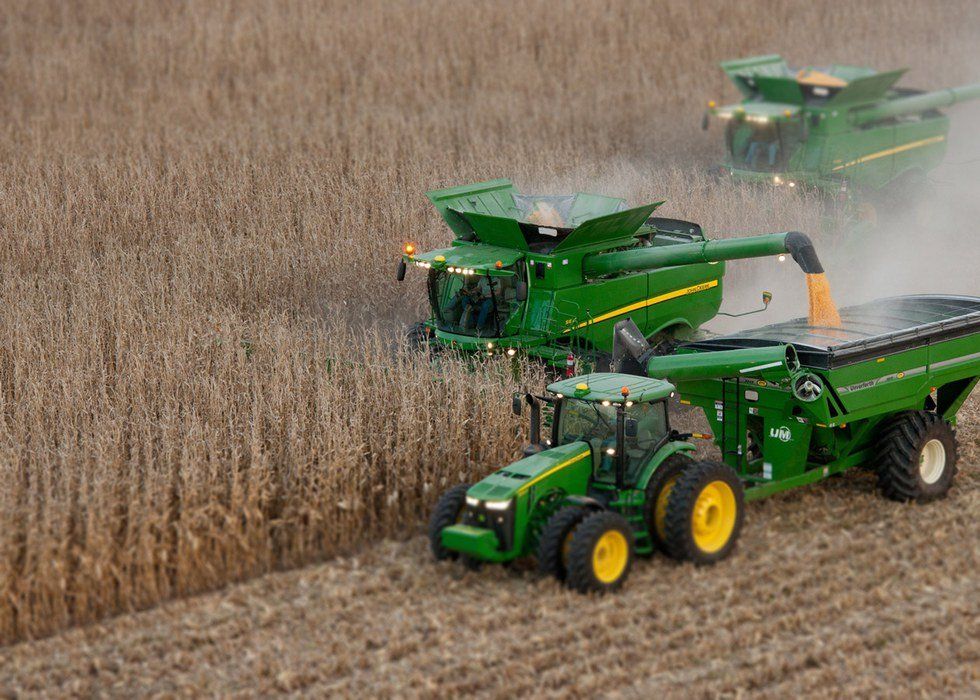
660,508
713,519
610,556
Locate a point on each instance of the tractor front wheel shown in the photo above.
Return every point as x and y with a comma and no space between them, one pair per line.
600,553
555,538
704,513
448,511
916,457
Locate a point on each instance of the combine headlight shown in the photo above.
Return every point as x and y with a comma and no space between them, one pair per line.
776,180
611,451
498,505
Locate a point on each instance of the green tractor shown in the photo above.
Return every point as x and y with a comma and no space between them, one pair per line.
844,130
789,404
549,276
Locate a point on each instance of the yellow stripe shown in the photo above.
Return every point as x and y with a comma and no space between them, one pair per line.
649,302
892,151
551,471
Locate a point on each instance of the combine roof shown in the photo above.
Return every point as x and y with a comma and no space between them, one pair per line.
867,330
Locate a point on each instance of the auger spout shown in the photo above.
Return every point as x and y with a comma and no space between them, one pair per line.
794,243
916,103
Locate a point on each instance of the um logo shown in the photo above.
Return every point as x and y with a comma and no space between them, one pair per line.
782,433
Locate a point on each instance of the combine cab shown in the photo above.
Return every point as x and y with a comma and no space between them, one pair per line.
839,128
550,275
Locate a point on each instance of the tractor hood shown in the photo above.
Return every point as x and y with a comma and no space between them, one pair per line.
521,476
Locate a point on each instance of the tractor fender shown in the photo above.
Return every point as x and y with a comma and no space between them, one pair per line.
659,457
586,501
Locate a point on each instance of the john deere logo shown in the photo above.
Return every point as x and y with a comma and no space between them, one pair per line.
783,434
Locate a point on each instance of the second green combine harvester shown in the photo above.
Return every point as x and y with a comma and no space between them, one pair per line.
550,276
836,128
789,404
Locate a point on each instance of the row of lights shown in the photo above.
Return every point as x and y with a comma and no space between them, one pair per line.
462,270
776,180
510,351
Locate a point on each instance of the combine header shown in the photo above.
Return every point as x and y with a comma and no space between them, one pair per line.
837,128
789,404
551,275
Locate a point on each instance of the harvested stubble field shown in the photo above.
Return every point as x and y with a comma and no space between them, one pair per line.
200,377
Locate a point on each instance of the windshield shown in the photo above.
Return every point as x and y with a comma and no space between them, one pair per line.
474,304
586,420
595,424
762,146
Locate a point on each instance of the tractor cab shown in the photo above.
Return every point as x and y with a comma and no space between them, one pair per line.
621,417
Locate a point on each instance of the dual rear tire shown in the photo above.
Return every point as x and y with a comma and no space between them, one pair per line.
590,550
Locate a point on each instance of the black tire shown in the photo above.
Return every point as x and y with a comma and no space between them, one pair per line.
582,552
665,475
448,511
681,524
551,542
905,448
417,336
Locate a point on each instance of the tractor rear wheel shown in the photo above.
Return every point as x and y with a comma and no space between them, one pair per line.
600,553
555,538
917,454
448,511
704,513
657,493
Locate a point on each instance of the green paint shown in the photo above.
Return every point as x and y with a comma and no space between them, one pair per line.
608,262
819,126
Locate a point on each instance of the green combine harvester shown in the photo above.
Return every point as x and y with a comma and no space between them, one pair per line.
549,276
837,129
790,404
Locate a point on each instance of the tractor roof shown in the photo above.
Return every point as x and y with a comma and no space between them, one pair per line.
608,386
770,79
495,213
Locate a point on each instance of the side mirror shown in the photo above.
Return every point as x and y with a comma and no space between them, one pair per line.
517,404
401,270
631,428
704,122
521,292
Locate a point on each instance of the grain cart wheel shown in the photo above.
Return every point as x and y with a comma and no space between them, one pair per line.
600,553
657,493
916,457
555,538
448,511
704,513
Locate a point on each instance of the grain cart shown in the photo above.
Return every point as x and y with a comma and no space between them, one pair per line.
838,128
551,275
789,404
